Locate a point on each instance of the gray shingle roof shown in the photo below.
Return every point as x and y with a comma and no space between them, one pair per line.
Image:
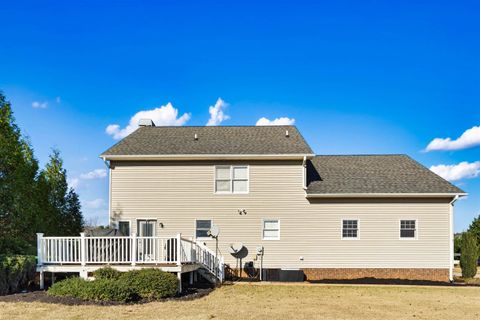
373,174
221,140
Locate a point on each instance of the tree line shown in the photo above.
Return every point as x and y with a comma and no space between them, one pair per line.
31,199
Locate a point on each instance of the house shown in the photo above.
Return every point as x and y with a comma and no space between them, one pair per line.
330,217
255,201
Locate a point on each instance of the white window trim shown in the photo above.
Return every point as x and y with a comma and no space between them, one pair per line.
129,225
263,229
358,229
400,229
231,166
195,228
136,226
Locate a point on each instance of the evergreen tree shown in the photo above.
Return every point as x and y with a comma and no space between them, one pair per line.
74,214
475,228
65,218
31,202
19,216
469,256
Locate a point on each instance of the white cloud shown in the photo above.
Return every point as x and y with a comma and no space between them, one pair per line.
95,204
276,122
470,138
73,183
94,174
58,99
454,172
162,116
39,105
217,114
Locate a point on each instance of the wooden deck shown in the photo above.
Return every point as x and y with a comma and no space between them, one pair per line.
84,255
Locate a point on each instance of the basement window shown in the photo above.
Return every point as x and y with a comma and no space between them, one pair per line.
231,179
349,229
408,229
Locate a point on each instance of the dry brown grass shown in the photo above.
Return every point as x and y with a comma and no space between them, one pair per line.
250,301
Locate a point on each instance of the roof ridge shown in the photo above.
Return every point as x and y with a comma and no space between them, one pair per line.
362,155
227,126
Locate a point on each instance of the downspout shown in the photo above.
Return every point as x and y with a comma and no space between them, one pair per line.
107,163
450,217
304,173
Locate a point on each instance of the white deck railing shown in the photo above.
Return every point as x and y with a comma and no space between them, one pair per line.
131,250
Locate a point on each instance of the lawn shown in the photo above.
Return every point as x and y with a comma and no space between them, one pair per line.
298,301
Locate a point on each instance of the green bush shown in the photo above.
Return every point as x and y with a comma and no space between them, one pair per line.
98,290
106,273
151,284
70,287
111,285
469,255
16,273
108,290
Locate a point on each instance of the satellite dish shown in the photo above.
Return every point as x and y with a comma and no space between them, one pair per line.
214,231
235,248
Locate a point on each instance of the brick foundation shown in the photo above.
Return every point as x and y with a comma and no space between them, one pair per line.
312,274
317,274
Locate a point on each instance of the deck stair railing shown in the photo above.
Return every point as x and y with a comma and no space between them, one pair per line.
131,250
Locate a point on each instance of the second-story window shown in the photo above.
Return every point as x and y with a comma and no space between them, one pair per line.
231,179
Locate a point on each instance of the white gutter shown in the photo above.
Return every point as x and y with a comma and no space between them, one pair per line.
293,156
451,239
384,195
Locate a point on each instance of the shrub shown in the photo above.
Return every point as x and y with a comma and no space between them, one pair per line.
106,273
108,290
111,285
151,283
469,255
70,287
98,290
16,273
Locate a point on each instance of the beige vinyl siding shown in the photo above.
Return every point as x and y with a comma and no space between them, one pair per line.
177,193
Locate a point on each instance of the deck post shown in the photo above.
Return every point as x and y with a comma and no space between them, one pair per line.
39,249
134,248
179,249
179,276
191,277
42,280
83,274
83,249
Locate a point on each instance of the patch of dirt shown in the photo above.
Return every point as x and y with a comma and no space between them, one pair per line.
42,296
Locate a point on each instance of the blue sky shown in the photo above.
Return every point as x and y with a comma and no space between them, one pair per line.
356,77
